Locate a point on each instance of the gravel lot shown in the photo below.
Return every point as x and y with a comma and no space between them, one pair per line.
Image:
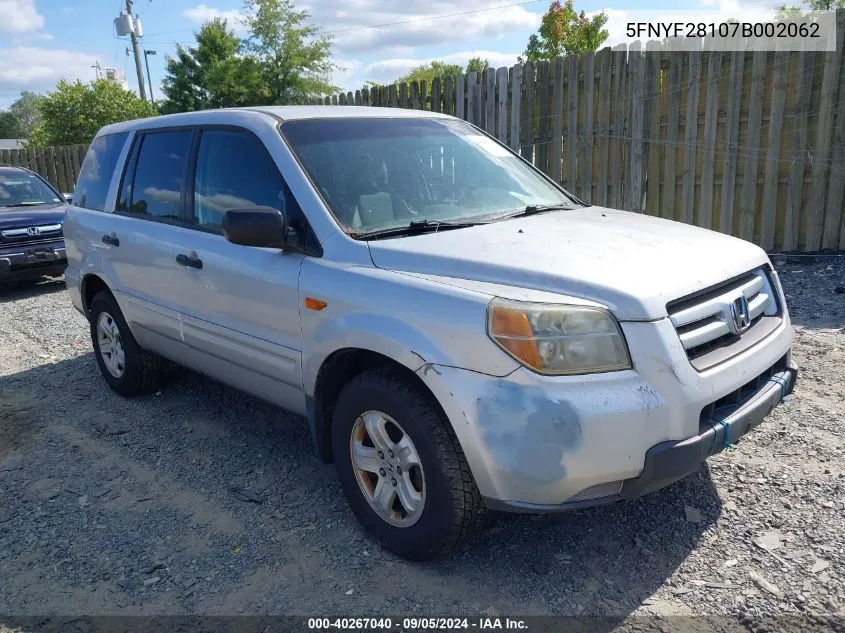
127,506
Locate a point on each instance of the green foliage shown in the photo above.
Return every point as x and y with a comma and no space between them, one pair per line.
211,74
25,109
477,65
793,13
74,112
282,60
563,31
21,117
293,60
10,127
427,72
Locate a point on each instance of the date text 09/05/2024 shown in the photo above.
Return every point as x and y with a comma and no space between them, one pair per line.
417,624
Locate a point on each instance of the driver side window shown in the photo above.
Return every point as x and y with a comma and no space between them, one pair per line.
235,171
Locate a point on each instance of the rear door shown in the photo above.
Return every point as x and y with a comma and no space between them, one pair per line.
146,226
239,304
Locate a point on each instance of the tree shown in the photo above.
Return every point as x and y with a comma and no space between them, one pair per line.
477,65
427,72
25,110
293,59
563,31
10,127
212,74
793,13
74,112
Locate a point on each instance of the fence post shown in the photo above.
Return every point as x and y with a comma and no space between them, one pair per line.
748,194
636,75
605,70
733,109
687,206
571,121
711,111
831,230
502,108
771,178
526,116
654,53
516,104
555,169
587,136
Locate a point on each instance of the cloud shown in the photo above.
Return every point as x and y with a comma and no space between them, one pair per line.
203,13
399,27
39,69
29,38
19,16
402,27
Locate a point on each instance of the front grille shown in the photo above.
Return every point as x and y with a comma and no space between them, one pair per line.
706,323
31,234
726,405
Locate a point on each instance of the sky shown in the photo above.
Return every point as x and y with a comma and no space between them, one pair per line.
43,41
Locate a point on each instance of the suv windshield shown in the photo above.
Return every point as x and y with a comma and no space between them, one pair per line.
23,189
377,174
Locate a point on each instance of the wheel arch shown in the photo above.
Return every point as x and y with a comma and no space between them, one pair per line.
335,372
91,284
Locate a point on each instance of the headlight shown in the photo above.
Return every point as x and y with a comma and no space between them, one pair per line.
558,339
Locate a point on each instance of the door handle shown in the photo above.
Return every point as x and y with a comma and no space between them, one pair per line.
189,260
111,240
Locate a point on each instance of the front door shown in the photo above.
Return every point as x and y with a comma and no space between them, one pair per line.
239,304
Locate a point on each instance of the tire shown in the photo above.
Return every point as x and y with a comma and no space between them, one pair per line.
140,371
452,510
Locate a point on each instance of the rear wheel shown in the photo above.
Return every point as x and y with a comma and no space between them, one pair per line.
129,370
402,468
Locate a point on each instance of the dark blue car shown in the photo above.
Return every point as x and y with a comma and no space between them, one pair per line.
31,216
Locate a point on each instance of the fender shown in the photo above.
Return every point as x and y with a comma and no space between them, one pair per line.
396,339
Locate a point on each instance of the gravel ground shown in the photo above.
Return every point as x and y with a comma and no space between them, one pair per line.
114,506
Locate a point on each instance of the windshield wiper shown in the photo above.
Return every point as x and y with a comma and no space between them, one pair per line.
534,209
23,204
416,227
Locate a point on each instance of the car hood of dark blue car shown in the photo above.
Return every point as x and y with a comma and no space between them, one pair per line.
12,217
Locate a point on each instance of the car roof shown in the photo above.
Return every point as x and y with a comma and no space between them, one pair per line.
14,169
284,113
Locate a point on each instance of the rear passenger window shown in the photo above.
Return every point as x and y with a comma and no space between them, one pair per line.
234,171
158,187
92,187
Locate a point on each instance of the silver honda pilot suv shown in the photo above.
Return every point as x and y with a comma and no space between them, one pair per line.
460,333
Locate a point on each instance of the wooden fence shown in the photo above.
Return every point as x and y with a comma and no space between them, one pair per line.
58,165
747,143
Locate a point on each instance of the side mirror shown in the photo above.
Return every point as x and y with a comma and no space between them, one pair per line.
68,197
256,226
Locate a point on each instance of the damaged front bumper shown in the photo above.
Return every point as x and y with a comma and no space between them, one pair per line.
553,443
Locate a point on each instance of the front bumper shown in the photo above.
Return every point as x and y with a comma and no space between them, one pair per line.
551,443
26,261
668,462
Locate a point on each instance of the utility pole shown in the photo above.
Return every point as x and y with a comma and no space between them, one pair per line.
149,78
137,51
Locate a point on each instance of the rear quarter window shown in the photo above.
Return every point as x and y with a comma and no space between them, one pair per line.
92,187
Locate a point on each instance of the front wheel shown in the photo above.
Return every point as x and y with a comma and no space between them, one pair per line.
401,467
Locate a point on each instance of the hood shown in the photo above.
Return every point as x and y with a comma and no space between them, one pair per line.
634,264
16,217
